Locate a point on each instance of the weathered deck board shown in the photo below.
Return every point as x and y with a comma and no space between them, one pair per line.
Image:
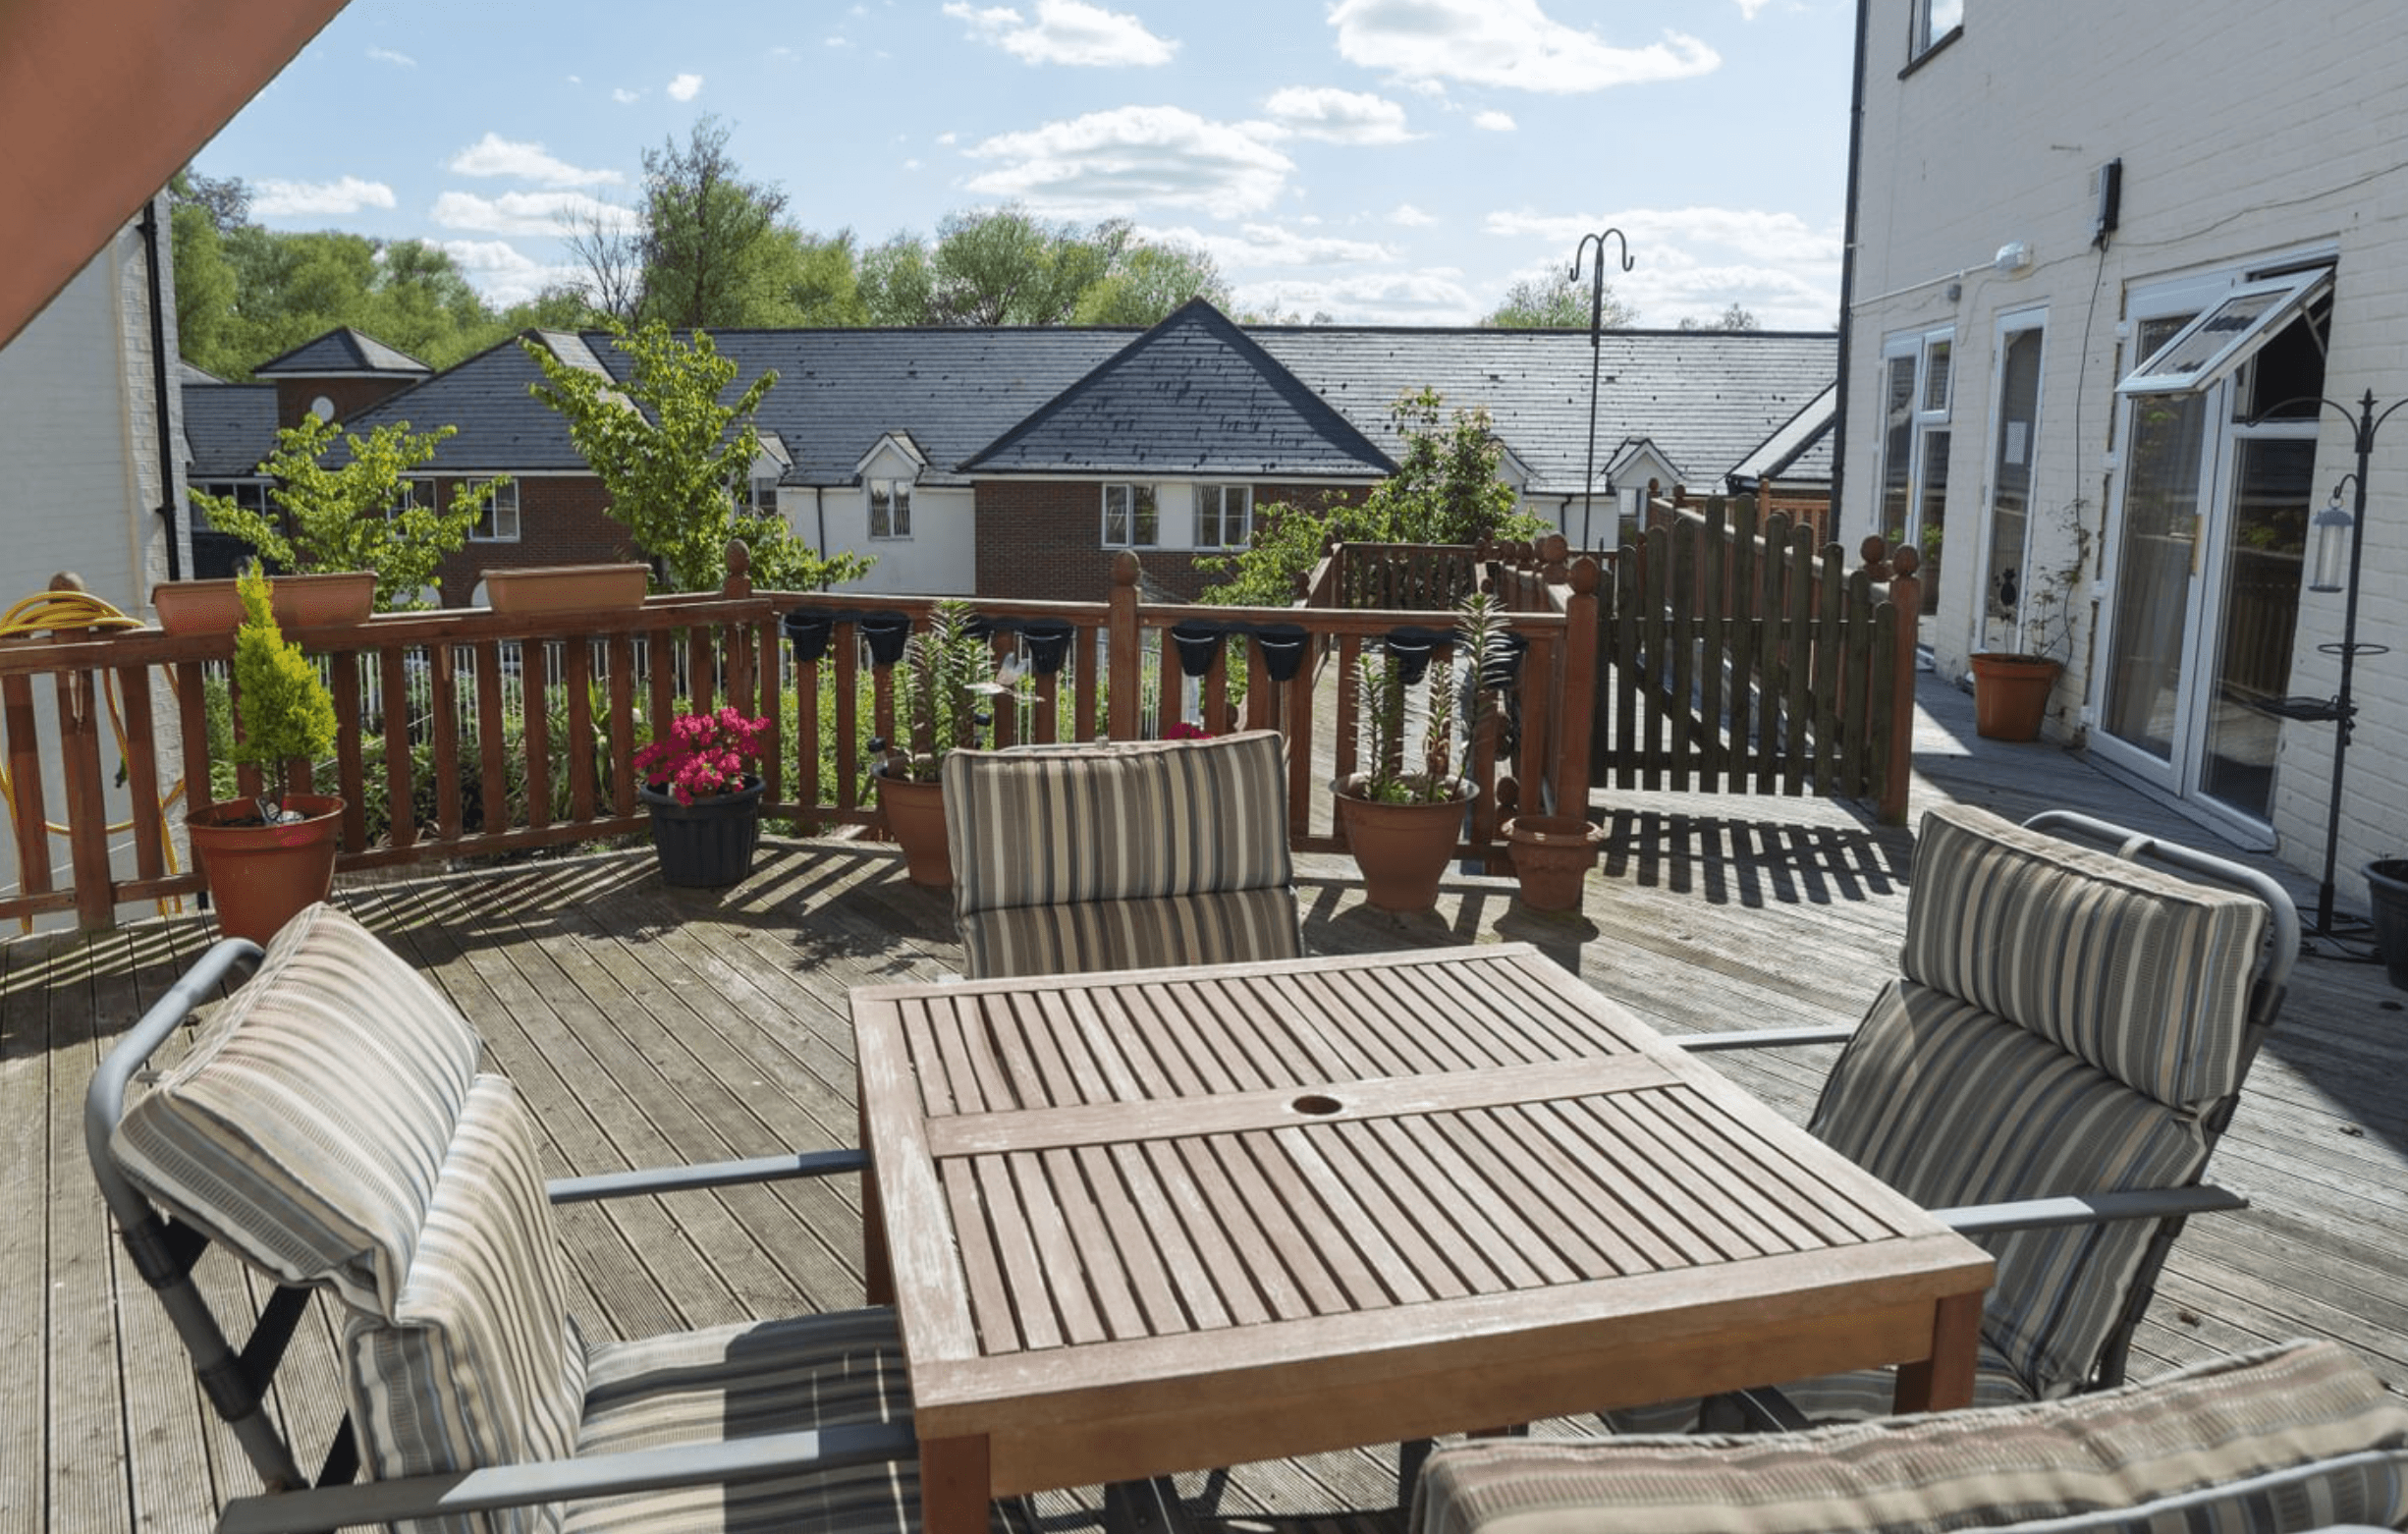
644,1022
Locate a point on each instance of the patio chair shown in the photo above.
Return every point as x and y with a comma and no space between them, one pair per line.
2050,1072
329,1126
1122,856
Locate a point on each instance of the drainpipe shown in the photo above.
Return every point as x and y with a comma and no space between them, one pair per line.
159,385
819,511
1847,264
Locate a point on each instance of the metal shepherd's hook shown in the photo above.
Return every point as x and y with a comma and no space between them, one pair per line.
1597,309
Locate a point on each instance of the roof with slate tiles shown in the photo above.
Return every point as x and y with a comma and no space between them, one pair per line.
228,428
341,352
1195,395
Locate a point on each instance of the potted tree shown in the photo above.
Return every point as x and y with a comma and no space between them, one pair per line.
944,685
1403,825
705,798
2012,687
265,858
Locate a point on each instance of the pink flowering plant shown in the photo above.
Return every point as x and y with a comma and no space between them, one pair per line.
704,756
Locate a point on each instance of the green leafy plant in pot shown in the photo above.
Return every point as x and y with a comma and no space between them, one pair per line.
269,857
1402,820
946,694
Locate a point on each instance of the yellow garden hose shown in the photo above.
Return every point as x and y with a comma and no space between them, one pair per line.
79,612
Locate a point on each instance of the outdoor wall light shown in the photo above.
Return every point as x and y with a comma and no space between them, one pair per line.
2013,258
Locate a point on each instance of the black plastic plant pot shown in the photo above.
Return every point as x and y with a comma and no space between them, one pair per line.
1283,648
1501,666
1048,644
886,633
1198,643
982,626
1410,648
808,629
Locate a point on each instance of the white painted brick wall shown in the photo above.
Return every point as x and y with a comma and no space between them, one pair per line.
2245,129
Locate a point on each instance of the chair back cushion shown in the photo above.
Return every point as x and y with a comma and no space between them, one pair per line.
1952,1105
478,1362
2141,972
2294,1438
306,1128
1180,846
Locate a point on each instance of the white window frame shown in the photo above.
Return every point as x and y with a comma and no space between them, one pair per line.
1138,511
1990,621
1926,415
250,495
1936,22
890,501
1213,511
412,493
491,525
2226,334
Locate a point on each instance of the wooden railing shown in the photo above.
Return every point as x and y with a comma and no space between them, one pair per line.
104,732
1746,660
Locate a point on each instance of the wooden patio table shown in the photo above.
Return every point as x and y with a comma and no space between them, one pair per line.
1165,1219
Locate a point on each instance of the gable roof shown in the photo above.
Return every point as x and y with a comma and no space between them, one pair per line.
342,352
503,428
1195,395
228,428
1799,452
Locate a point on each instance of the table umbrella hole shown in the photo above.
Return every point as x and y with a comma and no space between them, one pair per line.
1317,1105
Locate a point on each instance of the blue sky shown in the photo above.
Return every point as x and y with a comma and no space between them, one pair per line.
1382,161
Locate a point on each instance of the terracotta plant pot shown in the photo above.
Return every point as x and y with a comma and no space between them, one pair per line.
1402,849
565,588
707,845
341,596
916,817
2010,694
1552,856
260,876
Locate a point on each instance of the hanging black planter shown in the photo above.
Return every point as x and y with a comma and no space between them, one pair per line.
808,629
1410,648
1198,643
1501,666
708,843
1048,644
1283,648
886,633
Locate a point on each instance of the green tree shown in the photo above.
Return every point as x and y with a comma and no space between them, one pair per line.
1004,266
670,450
898,284
1153,282
1446,489
287,713
336,518
1735,317
707,243
1557,301
208,316
813,281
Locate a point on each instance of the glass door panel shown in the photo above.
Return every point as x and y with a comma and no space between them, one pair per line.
2266,542
2153,565
2010,488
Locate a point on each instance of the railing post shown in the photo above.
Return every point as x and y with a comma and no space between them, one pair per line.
1577,708
1127,660
1906,596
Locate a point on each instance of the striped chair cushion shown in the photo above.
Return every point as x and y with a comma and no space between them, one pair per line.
1853,1397
1179,929
1952,1106
733,1382
480,1363
1129,821
2308,1408
2141,973
261,1136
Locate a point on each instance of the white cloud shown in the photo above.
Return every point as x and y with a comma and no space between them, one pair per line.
1338,116
1493,122
1435,297
1748,9
1410,216
1504,42
1066,32
393,57
495,155
1105,161
1695,262
684,87
301,199
1267,245
622,96
525,212
503,273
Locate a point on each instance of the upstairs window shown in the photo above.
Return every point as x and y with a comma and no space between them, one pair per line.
762,497
1936,22
250,495
890,509
1224,517
498,523
409,495
1129,517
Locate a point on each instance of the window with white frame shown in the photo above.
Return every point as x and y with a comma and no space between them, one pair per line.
1936,22
1916,383
890,508
248,495
1224,517
1131,521
409,495
763,501
498,521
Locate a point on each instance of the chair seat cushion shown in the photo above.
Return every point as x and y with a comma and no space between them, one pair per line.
844,1369
1854,1397
1132,934
2310,1409
261,1136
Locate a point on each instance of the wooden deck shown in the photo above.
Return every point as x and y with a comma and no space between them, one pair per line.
646,1024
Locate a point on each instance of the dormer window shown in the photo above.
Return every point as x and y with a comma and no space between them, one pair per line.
890,508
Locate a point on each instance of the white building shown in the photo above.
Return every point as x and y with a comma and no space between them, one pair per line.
2045,194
